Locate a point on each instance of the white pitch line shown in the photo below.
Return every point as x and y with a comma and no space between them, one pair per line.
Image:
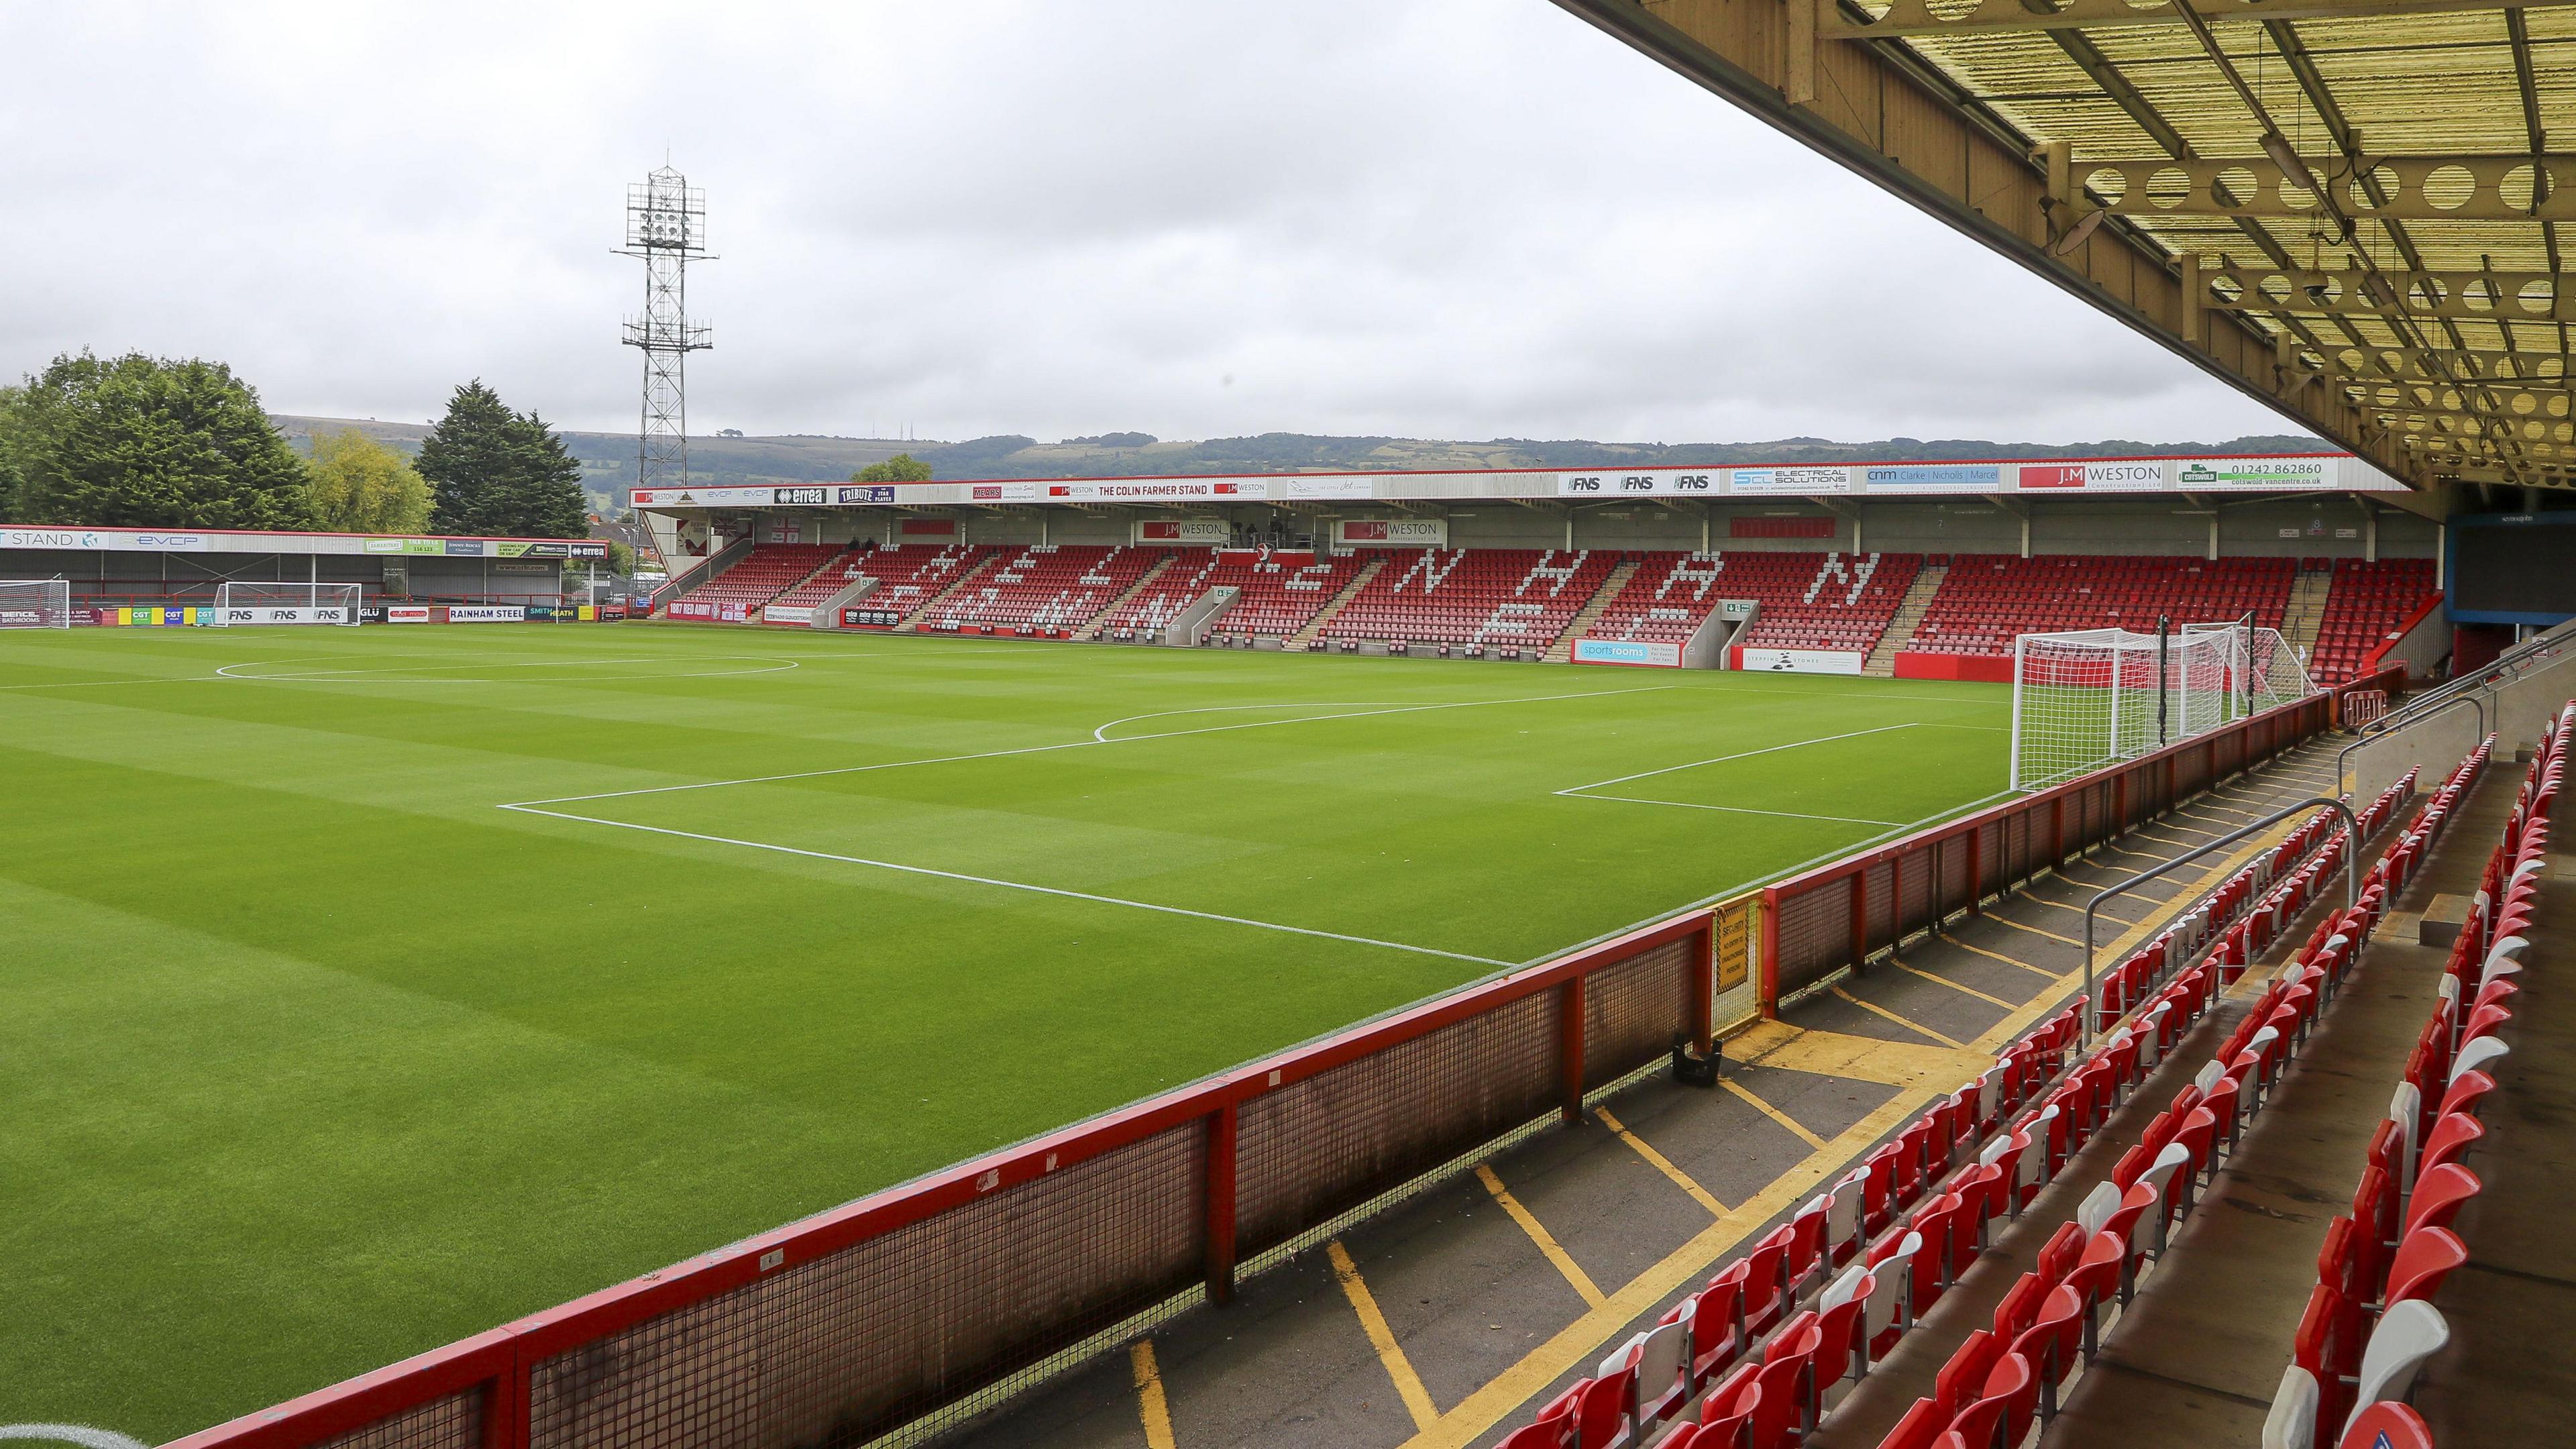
1011,885
1742,755
1073,745
1744,810
1755,882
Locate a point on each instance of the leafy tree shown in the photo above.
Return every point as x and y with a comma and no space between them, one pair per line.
621,559
491,470
358,485
901,468
144,442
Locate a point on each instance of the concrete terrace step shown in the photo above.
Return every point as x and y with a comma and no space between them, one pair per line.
1908,617
1324,616
1092,625
1563,649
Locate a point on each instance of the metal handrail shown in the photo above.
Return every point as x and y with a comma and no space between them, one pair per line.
2351,882
2345,753
2485,676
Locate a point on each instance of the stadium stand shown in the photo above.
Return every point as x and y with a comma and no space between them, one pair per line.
1843,603
1496,598
827,580
1782,1335
2371,1322
911,575
1833,601
770,569
2366,604
1278,593
1045,588
1988,599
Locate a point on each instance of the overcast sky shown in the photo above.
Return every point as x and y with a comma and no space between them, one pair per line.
1438,218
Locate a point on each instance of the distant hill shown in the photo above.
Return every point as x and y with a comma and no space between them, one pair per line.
608,459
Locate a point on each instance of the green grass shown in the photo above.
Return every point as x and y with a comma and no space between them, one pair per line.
315,1057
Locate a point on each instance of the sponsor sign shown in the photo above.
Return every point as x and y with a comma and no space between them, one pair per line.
1641,483
802,495
1321,488
705,497
406,614
2132,475
279,614
1797,661
1932,477
552,548
1207,532
868,493
2226,473
1392,532
486,614
870,618
1146,490
463,547
1005,493
1791,480
786,614
612,612
543,613
21,618
1643,652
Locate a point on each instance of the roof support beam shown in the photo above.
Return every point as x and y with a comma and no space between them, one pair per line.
2451,186
1915,17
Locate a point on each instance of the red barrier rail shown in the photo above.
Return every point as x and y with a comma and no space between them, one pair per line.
922,1297
1839,915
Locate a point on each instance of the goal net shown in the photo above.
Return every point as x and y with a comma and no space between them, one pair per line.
241,603
2264,670
2088,698
35,604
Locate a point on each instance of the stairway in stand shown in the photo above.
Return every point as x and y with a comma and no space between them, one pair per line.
1563,649
1909,613
973,571
1091,626
1325,614
2307,611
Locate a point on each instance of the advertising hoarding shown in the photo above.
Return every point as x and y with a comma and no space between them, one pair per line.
1642,653
1796,661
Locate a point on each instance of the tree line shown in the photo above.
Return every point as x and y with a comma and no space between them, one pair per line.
146,442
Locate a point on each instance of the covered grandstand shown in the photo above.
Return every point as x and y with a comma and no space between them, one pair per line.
1920,570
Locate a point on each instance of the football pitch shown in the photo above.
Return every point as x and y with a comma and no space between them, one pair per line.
367,988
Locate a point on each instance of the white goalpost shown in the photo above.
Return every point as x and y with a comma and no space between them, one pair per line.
2091,697
252,603
35,604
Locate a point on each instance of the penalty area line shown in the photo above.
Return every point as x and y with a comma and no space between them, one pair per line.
1092,743
986,880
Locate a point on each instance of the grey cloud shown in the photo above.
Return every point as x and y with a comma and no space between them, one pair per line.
1460,218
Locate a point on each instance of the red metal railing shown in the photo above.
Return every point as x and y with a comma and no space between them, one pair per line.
1839,915
920,1298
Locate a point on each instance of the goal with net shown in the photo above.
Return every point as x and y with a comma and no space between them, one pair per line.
244,603
2090,697
35,604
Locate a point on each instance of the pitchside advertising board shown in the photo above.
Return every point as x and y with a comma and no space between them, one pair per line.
1795,661
1639,653
287,614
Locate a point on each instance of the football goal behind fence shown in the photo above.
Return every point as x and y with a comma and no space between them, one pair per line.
247,603
35,604
2093,697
